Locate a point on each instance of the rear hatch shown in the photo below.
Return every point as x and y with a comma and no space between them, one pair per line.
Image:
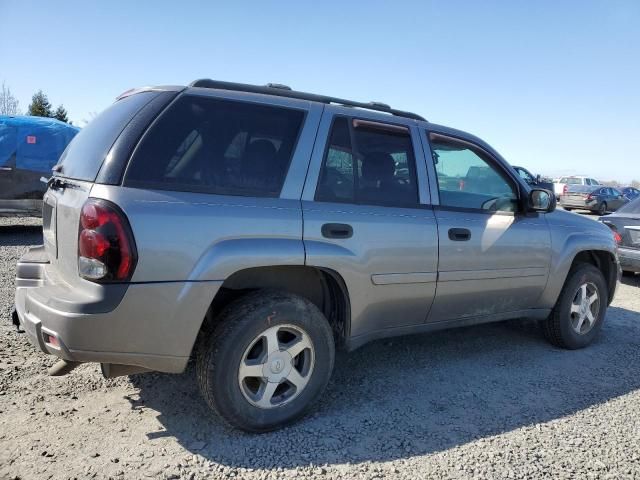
73,178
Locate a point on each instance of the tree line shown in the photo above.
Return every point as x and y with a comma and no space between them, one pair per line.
39,106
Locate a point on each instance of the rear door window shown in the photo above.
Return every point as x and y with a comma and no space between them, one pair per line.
84,155
207,145
368,163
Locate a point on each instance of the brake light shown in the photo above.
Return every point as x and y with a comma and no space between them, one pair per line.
565,189
617,237
106,249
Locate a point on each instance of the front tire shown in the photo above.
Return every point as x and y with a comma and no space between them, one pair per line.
579,312
268,359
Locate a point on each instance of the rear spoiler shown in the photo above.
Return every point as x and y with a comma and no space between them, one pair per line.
163,88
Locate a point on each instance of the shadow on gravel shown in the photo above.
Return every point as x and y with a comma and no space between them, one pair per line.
20,235
417,395
633,280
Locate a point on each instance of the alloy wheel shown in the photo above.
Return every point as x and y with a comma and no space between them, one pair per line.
585,308
276,367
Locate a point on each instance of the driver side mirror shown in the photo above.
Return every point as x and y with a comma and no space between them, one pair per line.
538,179
541,200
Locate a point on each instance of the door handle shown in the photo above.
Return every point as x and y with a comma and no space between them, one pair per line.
337,230
6,169
459,234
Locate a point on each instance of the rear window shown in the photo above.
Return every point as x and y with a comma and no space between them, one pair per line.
84,155
208,145
632,207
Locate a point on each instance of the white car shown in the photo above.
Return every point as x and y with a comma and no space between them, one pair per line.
559,187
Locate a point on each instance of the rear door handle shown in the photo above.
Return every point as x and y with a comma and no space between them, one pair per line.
337,230
459,234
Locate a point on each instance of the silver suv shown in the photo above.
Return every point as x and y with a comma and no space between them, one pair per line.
256,229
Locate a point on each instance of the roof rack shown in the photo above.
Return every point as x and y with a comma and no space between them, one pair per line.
285,91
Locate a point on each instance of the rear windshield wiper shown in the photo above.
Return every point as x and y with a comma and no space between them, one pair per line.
57,183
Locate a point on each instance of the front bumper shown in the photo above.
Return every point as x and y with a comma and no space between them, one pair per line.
151,325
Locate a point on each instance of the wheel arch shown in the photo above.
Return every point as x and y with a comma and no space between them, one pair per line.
603,259
325,288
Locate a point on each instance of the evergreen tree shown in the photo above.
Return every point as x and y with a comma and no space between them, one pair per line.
40,106
61,114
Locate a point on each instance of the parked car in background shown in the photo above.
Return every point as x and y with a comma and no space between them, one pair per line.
534,181
560,187
258,229
626,224
597,199
29,148
630,192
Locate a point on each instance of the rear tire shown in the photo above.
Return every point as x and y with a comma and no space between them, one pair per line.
602,209
575,322
568,209
266,361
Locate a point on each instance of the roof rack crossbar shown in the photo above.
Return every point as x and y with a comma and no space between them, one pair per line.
283,91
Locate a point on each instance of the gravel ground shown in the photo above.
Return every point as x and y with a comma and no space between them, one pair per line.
493,401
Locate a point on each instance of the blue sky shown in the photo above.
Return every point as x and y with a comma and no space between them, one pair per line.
554,86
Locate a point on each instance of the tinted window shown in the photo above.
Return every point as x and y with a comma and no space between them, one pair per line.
632,207
615,192
526,176
208,145
573,181
383,172
84,155
468,178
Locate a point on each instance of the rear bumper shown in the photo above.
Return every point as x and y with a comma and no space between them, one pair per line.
153,325
629,259
576,203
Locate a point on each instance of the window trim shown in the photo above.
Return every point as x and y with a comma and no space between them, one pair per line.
491,159
382,126
164,186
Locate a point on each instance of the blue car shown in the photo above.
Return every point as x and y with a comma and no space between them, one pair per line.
631,192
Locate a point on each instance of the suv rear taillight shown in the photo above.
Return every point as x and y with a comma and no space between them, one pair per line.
565,189
106,250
